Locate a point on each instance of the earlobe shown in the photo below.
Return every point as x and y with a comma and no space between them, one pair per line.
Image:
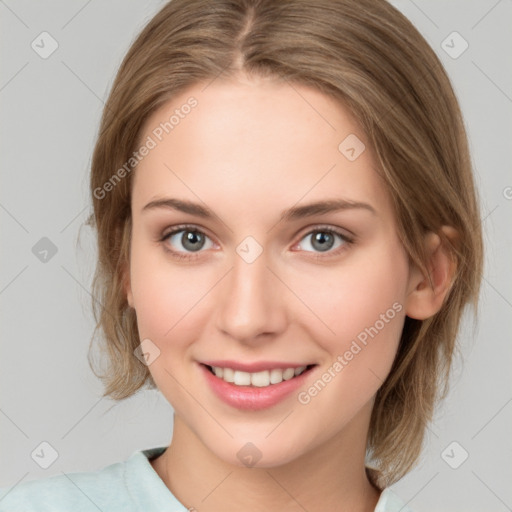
129,296
427,293
127,286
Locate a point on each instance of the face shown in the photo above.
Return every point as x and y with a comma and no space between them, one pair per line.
238,283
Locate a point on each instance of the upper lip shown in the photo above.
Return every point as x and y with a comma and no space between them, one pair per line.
257,366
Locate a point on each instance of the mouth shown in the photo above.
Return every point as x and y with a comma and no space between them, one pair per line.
259,379
263,388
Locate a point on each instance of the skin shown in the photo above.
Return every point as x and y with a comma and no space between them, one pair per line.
250,149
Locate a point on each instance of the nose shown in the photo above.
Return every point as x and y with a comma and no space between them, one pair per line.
251,301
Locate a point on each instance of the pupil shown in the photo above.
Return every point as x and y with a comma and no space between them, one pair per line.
191,239
323,239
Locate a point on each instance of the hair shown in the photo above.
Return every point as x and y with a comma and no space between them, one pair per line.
368,56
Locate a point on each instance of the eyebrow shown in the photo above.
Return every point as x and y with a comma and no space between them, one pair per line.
294,213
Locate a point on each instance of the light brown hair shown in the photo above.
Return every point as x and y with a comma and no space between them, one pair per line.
367,55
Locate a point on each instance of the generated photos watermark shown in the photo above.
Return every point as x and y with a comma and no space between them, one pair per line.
151,142
343,360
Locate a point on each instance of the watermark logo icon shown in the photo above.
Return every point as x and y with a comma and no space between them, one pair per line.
44,45
351,147
454,45
249,455
147,352
44,455
44,250
249,249
454,455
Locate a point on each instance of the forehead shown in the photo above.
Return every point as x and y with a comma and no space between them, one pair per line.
254,143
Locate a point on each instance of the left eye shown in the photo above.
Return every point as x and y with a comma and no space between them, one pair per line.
323,240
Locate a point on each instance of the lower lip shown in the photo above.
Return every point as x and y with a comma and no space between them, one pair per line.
253,398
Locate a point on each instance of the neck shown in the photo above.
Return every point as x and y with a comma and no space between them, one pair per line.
331,477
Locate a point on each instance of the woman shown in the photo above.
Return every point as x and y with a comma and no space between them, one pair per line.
313,152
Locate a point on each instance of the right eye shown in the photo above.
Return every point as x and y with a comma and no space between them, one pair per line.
189,237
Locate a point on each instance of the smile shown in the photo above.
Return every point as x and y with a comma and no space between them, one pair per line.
258,379
254,390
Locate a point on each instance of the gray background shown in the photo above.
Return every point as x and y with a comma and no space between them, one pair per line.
50,113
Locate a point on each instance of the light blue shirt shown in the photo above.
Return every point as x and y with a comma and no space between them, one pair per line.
131,485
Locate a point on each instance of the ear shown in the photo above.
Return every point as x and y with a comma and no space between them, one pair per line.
428,292
127,285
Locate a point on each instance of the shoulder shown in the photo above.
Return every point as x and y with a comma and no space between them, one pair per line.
126,486
103,489
390,502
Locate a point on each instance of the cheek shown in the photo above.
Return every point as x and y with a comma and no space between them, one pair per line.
362,305
163,303
364,314
167,301
163,293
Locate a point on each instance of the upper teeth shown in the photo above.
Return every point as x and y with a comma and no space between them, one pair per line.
259,379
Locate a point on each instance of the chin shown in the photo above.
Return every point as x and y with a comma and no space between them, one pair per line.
260,452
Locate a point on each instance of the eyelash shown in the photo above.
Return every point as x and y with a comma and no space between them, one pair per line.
193,256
